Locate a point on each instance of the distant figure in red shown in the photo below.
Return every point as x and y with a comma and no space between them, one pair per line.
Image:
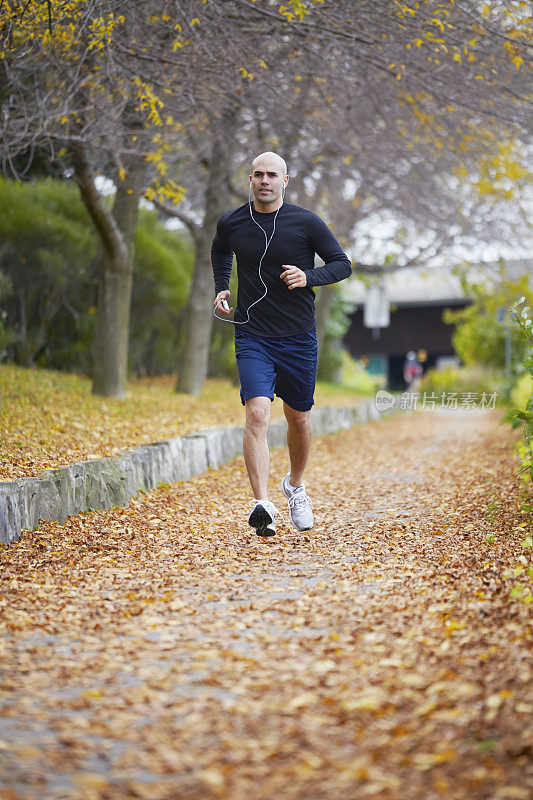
412,369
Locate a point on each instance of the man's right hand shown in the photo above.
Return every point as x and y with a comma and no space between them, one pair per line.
217,302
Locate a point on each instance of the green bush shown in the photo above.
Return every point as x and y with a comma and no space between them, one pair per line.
222,362
524,414
522,573
330,360
355,376
161,282
479,337
522,391
5,337
47,252
477,378
49,257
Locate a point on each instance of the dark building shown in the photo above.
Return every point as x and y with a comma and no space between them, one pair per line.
413,326
417,299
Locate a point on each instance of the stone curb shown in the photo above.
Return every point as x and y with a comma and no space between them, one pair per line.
107,482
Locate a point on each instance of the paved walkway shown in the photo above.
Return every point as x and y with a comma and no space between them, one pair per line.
164,651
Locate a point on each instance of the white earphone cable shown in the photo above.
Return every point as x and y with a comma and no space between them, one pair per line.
268,239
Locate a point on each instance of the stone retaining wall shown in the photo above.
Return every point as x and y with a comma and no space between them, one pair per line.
107,482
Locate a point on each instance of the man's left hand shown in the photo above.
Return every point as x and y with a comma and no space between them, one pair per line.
294,277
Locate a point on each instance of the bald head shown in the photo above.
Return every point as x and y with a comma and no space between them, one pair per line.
268,181
270,161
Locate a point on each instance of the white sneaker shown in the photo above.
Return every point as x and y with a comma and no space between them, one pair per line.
300,512
262,518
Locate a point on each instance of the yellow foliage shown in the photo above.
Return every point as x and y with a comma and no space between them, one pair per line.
102,29
29,22
148,101
294,10
167,191
437,22
404,9
501,172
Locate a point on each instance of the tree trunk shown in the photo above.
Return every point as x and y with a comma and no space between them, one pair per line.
199,312
117,232
110,346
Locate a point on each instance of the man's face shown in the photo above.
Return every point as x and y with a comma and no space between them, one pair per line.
268,179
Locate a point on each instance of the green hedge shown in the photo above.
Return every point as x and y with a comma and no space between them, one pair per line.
49,259
476,378
479,337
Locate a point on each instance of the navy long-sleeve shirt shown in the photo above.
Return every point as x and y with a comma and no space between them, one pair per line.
299,235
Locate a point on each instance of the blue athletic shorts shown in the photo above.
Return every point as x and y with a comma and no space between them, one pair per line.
285,366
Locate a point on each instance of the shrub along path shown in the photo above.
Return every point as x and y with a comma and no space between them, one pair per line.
164,651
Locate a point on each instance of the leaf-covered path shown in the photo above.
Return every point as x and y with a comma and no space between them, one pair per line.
163,651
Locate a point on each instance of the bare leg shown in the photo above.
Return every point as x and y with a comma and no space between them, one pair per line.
255,445
299,435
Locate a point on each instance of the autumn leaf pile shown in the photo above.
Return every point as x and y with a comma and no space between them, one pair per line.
164,651
49,419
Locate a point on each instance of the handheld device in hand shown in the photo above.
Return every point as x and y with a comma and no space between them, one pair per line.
224,304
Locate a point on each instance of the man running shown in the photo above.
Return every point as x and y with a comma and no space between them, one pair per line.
275,327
